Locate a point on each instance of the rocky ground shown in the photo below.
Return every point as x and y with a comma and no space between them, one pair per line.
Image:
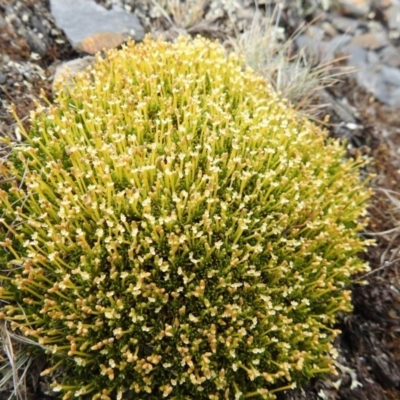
36,37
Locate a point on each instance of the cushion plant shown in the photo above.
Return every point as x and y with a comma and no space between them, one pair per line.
171,228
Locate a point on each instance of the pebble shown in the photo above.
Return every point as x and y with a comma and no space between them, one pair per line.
344,24
356,8
391,75
357,56
3,22
370,78
395,98
392,15
3,78
371,40
35,43
90,27
67,70
390,56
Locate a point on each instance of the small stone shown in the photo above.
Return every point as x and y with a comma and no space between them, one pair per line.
357,56
352,126
329,29
391,56
35,43
3,22
371,41
69,69
356,8
38,25
343,112
344,24
383,3
372,57
90,26
394,100
392,15
370,78
337,44
3,78
391,76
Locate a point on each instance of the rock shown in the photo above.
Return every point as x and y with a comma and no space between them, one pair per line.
391,76
3,78
372,57
344,24
391,56
322,50
357,56
38,25
371,41
394,100
371,79
36,44
329,29
337,44
355,8
383,3
67,70
3,23
392,15
90,27
342,112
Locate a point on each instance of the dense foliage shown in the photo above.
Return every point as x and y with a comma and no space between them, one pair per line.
171,228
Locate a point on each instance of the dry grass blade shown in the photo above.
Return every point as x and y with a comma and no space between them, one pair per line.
14,365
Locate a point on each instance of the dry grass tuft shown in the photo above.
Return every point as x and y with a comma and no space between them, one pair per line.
292,73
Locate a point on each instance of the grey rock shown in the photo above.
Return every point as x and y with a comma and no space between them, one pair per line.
322,50
391,76
356,8
3,78
38,25
371,79
372,57
357,56
85,20
392,15
35,43
371,40
344,24
337,108
390,56
394,99
69,69
3,22
337,44
329,29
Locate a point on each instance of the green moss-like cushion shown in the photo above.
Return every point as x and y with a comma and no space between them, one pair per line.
175,230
